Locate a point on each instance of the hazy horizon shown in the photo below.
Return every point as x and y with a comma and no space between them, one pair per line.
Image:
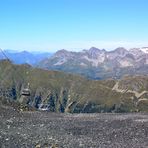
36,25
73,50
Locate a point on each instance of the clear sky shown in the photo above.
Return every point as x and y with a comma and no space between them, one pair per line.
73,24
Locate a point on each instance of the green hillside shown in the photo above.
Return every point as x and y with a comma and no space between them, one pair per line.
61,92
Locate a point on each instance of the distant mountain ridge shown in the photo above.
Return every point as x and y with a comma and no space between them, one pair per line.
98,63
22,57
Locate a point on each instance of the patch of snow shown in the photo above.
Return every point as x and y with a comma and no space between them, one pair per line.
83,64
136,52
60,62
125,63
144,49
93,61
96,61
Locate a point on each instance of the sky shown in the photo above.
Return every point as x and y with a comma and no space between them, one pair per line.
50,25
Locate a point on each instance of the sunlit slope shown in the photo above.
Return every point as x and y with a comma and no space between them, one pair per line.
99,63
61,92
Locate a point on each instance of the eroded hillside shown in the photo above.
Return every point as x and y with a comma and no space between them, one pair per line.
60,92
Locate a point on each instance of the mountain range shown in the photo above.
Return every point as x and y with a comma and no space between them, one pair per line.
62,92
22,57
93,63
98,63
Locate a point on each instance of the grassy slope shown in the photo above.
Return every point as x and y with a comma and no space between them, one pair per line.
67,92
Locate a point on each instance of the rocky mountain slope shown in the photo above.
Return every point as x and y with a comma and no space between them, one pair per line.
52,130
60,92
100,64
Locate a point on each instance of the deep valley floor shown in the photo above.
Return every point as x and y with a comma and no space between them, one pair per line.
44,129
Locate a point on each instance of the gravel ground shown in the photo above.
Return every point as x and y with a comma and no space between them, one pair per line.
51,130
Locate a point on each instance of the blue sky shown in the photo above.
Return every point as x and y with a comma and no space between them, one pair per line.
73,24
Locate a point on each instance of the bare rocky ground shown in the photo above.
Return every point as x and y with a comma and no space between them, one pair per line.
44,129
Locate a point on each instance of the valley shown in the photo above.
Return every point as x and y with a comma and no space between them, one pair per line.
73,74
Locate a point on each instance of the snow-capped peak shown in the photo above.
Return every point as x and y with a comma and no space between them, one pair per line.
144,49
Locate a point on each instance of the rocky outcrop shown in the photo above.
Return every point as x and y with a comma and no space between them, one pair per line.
98,63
